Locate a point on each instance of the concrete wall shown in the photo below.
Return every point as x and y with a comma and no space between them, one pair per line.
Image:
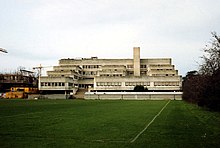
136,55
50,96
134,95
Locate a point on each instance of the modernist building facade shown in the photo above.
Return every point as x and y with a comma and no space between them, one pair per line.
156,74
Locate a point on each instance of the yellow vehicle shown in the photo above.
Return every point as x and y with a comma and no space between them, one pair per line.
20,92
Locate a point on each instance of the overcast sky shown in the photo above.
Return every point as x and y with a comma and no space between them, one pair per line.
43,31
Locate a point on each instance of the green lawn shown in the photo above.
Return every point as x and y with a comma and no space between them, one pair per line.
80,123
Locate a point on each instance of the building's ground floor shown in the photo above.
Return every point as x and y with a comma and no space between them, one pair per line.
68,85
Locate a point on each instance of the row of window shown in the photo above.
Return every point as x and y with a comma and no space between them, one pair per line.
75,77
132,66
52,84
90,73
98,66
166,83
108,83
137,83
115,84
128,66
90,66
111,75
112,70
120,75
16,77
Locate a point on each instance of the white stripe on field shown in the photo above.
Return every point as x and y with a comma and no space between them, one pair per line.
135,138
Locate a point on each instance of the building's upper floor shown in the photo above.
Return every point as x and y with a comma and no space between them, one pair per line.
90,67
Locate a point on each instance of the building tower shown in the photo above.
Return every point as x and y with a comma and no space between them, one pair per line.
136,58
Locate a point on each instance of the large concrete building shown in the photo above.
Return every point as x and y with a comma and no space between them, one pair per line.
95,74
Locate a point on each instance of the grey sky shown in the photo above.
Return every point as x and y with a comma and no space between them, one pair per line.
43,31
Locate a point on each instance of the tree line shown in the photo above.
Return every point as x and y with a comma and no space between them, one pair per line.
202,86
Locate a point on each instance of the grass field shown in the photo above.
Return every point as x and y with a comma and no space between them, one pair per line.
79,123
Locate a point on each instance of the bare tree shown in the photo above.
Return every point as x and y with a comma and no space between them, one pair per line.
211,59
203,87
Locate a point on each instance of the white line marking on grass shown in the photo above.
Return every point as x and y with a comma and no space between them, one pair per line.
136,137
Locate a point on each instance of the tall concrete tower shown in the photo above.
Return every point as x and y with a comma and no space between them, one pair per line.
136,58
